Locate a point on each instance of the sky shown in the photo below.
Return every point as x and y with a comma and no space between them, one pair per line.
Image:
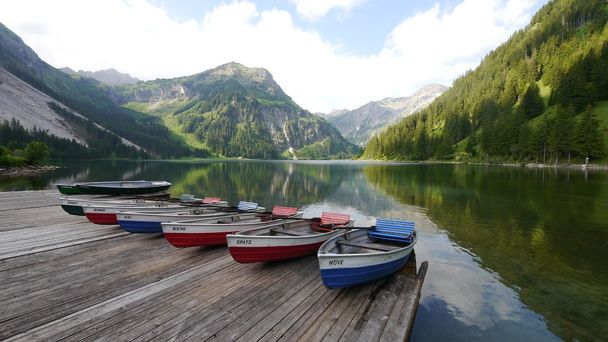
325,54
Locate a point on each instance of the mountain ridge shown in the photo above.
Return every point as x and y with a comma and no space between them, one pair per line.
360,124
236,111
107,76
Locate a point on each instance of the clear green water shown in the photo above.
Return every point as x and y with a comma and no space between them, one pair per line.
515,254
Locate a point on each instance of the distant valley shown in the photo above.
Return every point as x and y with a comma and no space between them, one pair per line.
360,124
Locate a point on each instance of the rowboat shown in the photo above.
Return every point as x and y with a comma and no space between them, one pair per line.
114,187
150,222
73,205
68,189
212,232
106,214
363,255
291,239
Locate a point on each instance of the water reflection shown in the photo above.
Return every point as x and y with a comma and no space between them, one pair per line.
507,246
543,231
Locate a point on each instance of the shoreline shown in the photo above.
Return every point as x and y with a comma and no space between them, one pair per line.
28,170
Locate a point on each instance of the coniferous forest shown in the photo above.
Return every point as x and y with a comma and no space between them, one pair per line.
539,97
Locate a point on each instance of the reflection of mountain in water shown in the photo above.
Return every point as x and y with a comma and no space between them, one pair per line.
267,183
355,191
543,231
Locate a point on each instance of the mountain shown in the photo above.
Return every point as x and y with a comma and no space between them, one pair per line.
542,97
236,111
81,106
359,125
108,76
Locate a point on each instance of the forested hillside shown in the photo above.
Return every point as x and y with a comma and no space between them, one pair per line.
538,98
236,111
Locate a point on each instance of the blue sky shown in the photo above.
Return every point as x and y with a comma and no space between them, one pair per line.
325,54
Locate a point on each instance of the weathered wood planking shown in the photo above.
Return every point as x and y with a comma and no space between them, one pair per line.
64,278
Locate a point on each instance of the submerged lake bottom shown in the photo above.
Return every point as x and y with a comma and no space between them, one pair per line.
514,253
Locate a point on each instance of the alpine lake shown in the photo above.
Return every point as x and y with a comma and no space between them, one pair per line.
515,254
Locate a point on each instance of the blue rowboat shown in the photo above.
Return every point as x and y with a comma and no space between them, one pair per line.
364,255
143,221
150,222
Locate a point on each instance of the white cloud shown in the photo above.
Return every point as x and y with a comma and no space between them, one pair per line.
315,9
142,39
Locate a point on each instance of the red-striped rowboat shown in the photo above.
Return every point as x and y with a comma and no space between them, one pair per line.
212,232
291,239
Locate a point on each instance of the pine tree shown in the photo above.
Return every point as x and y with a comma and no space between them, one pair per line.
562,133
588,138
532,104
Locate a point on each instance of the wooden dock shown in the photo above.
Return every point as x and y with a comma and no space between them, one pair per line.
64,278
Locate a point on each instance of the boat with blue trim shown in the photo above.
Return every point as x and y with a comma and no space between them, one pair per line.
364,255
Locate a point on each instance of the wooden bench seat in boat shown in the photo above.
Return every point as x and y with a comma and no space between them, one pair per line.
247,206
287,232
211,200
374,246
393,230
329,220
279,211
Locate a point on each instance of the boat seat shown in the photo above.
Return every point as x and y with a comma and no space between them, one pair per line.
287,232
211,200
279,211
187,198
247,206
374,246
392,230
329,220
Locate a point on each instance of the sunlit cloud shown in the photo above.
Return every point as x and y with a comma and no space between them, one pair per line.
315,9
138,37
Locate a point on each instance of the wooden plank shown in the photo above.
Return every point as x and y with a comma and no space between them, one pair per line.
277,318
399,323
331,314
235,313
70,296
48,329
260,315
188,324
38,249
154,310
369,326
302,315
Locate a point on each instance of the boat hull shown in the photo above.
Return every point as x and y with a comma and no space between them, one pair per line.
196,239
101,190
351,276
192,234
68,189
101,218
133,222
107,215
75,206
73,209
272,253
265,248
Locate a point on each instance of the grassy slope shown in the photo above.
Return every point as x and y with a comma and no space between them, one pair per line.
163,111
